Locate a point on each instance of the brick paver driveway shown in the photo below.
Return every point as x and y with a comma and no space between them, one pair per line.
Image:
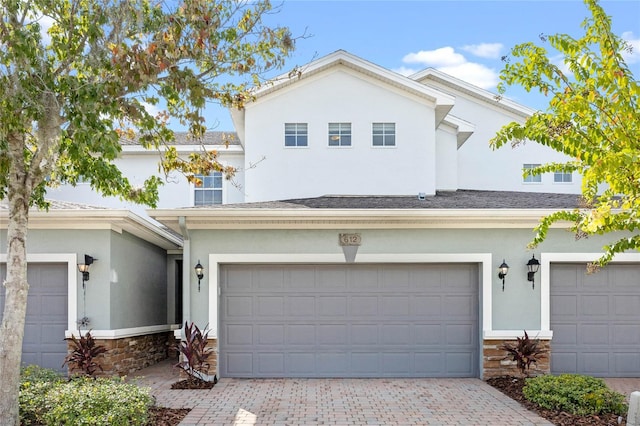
340,401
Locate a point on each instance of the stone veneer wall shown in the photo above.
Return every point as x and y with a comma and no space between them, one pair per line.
129,354
495,362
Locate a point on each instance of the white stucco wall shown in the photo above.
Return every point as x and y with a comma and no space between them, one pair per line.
335,96
176,191
446,158
481,168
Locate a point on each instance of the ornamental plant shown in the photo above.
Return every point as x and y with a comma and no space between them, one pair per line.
525,352
35,383
574,393
83,355
194,352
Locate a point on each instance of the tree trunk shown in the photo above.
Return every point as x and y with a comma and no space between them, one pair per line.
15,303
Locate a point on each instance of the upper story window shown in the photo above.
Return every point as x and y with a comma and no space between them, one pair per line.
209,191
384,134
339,134
561,177
531,178
295,134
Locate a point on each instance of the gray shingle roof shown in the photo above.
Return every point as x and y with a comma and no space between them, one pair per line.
59,205
461,199
209,138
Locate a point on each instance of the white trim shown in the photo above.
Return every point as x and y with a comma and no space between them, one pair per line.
513,334
122,332
545,276
71,259
485,279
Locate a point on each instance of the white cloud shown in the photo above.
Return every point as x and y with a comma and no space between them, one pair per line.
484,50
447,60
153,110
45,22
444,56
633,56
405,71
476,74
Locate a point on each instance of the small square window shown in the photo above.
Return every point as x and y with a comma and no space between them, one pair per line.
531,178
209,191
561,177
384,134
295,134
339,134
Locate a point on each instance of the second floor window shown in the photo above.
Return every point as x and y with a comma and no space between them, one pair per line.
209,191
295,134
384,134
339,134
531,178
561,177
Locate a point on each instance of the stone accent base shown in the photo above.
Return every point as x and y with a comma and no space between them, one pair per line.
129,354
496,363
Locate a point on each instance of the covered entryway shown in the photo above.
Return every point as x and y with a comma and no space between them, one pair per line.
46,319
595,320
362,320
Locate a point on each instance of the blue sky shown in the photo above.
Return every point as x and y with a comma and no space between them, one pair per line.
463,38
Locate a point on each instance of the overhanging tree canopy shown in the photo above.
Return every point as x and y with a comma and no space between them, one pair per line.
594,118
77,75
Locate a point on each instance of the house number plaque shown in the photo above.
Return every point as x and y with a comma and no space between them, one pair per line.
350,239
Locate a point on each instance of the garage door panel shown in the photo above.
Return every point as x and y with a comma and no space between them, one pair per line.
458,363
626,334
364,334
270,279
355,321
595,306
239,306
564,306
601,335
626,305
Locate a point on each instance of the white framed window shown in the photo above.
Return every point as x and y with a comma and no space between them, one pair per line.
384,134
209,191
531,178
562,177
339,134
295,134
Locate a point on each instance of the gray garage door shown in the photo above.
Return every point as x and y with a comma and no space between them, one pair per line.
596,320
349,321
46,319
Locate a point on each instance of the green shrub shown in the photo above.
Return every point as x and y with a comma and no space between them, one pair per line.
35,382
574,393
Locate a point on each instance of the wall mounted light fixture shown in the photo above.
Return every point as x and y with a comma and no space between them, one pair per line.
84,268
502,272
199,273
532,267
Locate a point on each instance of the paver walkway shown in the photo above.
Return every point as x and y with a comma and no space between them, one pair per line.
339,401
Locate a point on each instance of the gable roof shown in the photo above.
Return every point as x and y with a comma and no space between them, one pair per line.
443,101
472,90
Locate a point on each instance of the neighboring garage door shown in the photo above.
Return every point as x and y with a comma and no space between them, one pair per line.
596,320
418,320
46,319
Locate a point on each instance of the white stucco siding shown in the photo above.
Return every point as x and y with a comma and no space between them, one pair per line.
176,191
339,96
446,159
481,168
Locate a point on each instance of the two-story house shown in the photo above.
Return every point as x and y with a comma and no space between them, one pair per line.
363,238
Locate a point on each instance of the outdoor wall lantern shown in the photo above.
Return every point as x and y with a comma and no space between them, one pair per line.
502,272
84,268
532,267
199,273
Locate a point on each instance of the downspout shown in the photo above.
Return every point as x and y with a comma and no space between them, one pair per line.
186,271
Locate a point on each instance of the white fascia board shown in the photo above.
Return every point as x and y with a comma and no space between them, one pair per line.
464,129
355,218
122,332
514,334
475,91
113,219
443,101
238,119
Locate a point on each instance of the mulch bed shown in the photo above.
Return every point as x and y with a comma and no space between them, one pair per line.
192,384
512,387
161,416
